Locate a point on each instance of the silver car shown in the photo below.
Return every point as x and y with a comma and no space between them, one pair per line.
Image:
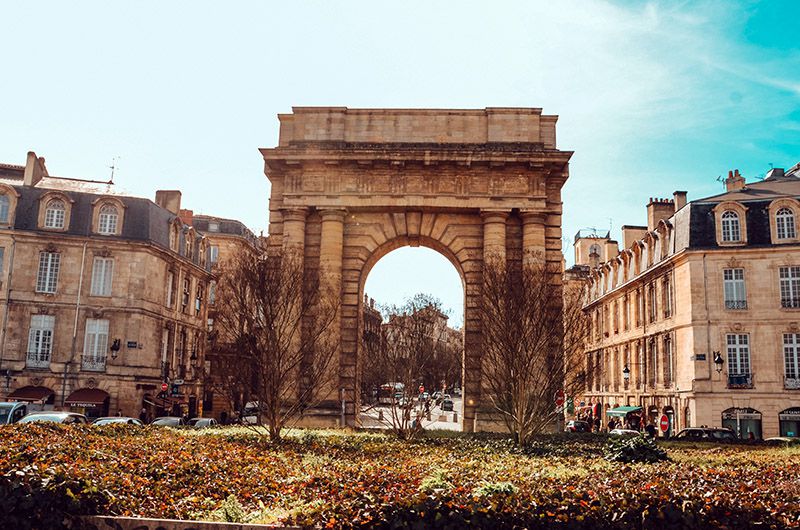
117,419
67,418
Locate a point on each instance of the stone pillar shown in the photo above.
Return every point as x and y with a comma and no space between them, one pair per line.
330,276
494,235
533,237
294,230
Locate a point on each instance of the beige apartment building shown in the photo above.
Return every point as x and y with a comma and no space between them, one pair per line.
698,316
103,297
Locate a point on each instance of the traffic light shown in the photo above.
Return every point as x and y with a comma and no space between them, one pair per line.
175,389
570,406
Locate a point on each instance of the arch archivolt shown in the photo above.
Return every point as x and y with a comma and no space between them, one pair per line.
350,186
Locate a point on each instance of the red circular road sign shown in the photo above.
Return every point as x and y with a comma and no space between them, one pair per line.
664,423
163,387
559,398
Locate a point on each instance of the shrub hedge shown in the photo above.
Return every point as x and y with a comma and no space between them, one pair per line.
50,474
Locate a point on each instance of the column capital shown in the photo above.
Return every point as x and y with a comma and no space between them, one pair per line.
332,214
495,216
294,214
532,216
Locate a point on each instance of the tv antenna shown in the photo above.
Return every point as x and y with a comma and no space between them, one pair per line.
113,168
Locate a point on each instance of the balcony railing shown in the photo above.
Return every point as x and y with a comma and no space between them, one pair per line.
793,303
740,381
37,359
735,304
93,363
791,383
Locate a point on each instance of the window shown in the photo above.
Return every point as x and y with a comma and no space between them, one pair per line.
616,317
626,313
784,222
54,214
212,293
651,295
738,354
668,366
213,227
652,364
102,274
730,226
213,253
189,247
173,238
170,288
2,258
667,297
40,341
4,207
95,344
733,283
107,223
791,355
790,286
198,298
187,287
639,307
47,279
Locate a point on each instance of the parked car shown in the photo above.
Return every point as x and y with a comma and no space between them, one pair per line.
624,432
12,412
200,423
706,434
423,397
782,441
169,421
117,419
447,404
251,413
68,418
577,426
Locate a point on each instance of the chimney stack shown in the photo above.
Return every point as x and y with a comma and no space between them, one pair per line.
735,181
657,210
34,170
186,216
679,197
169,200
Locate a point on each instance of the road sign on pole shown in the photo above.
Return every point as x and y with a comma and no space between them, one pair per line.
560,398
163,387
664,423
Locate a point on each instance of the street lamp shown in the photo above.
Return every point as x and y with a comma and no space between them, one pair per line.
718,361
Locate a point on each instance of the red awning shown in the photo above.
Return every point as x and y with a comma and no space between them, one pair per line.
87,397
31,393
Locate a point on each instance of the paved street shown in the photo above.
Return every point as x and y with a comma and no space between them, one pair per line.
439,419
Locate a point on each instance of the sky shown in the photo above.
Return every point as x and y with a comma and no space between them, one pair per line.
652,96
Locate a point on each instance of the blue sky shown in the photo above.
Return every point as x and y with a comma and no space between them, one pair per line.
652,96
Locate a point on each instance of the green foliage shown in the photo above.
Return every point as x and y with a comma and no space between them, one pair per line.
488,489
630,449
436,483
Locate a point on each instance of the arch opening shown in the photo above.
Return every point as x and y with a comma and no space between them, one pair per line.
412,298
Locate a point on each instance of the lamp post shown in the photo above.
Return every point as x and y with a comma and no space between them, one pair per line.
718,361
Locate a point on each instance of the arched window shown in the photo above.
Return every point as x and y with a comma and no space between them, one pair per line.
54,214
107,223
730,226
173,238
4,203
784,221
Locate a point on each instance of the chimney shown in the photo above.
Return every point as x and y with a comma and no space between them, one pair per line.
612,249
186,216
658,209
680,199
632,234
735,181
372,303
169,200
34,170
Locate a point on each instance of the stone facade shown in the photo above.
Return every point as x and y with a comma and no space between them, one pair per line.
103,296
351,185
717,279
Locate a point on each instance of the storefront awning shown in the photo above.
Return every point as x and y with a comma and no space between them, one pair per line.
31,393
87,397
623,411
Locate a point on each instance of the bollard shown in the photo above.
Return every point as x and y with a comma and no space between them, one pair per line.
380,415
455,417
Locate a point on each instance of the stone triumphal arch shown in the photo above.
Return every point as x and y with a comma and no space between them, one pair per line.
351,185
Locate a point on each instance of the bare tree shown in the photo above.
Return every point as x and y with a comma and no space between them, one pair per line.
275,337
532,335
413,337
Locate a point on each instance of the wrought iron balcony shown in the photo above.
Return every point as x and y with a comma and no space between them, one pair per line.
791,383
792,303
735,304
37,359
740,380
93,363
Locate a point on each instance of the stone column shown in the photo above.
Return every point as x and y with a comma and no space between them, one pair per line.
494,235
533,237
294,230
330,276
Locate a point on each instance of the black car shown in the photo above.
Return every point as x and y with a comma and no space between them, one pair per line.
578,426
706,434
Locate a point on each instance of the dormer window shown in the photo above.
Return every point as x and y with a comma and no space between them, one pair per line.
173,238
54,214
189,246
784,223
108,220
731,231
4,208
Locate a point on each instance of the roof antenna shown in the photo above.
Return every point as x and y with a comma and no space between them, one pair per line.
113,168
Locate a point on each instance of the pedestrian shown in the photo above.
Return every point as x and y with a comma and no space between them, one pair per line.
223,418
651,430
143,415
119,413
597,424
